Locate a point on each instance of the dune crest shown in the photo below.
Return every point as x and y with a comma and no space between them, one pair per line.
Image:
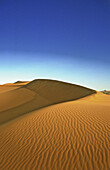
21,82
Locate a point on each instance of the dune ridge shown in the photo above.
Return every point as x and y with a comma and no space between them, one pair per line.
70,135
21,82
37,94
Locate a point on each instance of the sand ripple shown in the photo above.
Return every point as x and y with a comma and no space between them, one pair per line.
71,135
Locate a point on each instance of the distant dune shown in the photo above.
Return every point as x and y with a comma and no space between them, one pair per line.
21,82
11,86
72,133
106,92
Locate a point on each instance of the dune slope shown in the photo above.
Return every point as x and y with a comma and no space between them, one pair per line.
70,135
6,88
57,91
38,94
11,86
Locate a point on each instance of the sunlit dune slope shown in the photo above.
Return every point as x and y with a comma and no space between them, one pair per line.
11,86
6,88
66,136
98,98
37,94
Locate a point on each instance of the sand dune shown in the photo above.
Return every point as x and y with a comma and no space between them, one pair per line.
106,92
6,88
21,82
38,94
11,86
98,98
70,135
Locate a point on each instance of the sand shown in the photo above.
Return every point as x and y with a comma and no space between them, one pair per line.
68,135
6,88
11,86
37,94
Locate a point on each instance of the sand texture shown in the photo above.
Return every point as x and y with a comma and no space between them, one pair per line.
72,135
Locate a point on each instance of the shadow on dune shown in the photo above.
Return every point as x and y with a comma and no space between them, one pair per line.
38,94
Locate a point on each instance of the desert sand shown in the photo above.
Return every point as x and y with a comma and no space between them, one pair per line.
48,124
11,86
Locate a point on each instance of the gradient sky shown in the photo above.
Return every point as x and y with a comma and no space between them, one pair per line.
67,40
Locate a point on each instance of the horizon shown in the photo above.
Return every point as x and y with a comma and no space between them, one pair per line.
29,81
65,41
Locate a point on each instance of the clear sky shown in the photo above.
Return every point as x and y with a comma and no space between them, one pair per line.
67,40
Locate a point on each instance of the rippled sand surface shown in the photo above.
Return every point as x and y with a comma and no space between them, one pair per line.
69,135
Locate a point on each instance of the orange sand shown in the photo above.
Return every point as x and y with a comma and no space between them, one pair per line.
6,88
69,135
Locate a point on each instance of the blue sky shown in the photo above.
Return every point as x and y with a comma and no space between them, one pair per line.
63,40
